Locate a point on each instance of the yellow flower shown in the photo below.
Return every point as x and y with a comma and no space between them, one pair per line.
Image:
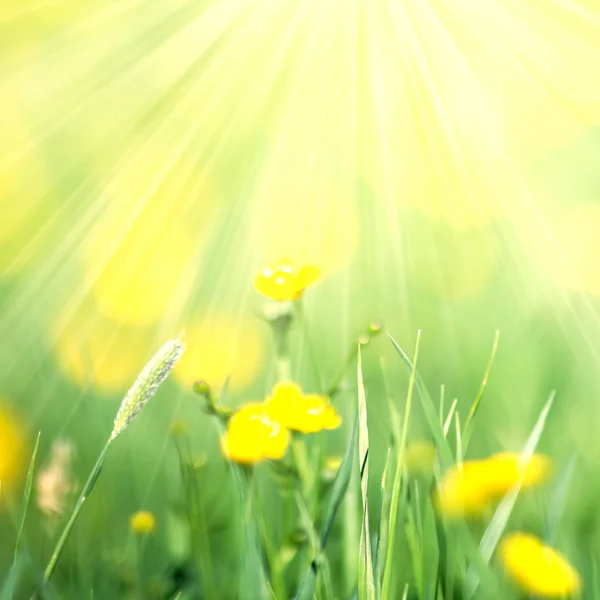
333,463
470,489
463,491
284,282
299,412
331,466
252,436
220,345
537,568
13,452
419,457
178,428
504,471
143,522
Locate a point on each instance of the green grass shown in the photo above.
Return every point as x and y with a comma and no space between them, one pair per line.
276,530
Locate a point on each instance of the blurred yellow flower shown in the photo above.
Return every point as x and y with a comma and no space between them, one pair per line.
178,428
218,346
12,447
462,491
419,457
142,255
504,471
93,350
331,466
333,463
305,413
538,569
470,488
143,522
252,436
284,282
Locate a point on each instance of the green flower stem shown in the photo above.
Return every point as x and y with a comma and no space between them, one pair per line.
201,536
198,528
87,489
314,543
299,309
302,465
334,387
140,548
274,562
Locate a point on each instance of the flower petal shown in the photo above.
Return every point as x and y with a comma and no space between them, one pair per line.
306,276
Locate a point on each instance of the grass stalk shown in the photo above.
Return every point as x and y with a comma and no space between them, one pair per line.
85,492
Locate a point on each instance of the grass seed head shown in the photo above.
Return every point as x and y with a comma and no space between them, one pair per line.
145,386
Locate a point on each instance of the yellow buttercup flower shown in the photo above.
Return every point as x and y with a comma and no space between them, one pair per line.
469,489
305,413
143,522
538,569
463,490
252,436
504,471
285,282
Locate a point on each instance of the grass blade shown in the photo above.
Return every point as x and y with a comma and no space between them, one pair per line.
429,408
308,584
459,445
26,497
340,486
558,499
366,583
448,420
468,430
396,487
382,534
494,530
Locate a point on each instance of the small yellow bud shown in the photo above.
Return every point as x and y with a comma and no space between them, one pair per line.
143,522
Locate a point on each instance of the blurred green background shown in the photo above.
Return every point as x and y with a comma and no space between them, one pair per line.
437,161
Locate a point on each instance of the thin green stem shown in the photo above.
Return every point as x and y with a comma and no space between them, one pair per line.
87,489
198,529
310,350
274,563
26,497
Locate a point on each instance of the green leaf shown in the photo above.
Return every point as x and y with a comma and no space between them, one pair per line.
396,487
558,499
469,423
26,497
308,584
429,408
340,485
448,420
384,514
339,488
494,530
467,543
252,582
366,583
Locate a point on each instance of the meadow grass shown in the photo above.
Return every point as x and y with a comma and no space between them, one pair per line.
292,510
